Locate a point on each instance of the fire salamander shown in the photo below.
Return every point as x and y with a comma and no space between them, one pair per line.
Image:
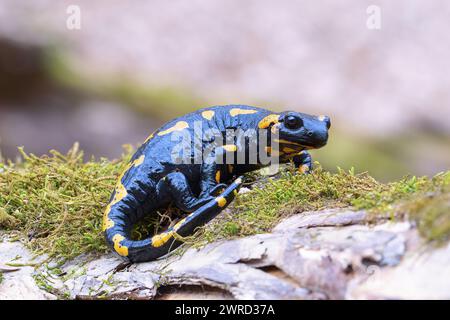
156,178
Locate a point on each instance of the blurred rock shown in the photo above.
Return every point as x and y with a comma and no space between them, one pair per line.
39,114
319,58
22,71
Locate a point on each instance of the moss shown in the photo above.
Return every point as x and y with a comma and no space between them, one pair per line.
7,220
289,193
424,200
44,283
431,212
57,201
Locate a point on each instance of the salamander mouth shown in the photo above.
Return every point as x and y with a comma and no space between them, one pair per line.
297,145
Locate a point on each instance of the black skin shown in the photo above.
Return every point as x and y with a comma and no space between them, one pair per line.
154,179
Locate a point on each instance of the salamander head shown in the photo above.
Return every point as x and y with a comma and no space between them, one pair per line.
309,132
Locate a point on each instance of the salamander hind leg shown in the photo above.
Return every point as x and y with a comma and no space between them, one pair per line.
176,186
207,212
166,241
211,178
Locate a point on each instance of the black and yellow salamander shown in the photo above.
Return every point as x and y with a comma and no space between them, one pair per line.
196,163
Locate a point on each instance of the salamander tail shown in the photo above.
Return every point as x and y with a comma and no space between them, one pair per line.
161,244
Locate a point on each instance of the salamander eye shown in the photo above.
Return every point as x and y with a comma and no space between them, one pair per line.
293,122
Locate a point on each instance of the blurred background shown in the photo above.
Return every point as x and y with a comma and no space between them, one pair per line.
134,65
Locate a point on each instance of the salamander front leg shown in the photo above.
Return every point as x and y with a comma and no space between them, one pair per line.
303,162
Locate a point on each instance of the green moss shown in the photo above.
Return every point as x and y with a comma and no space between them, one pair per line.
44,283
57,202
424,200
7,220
431,212
260,209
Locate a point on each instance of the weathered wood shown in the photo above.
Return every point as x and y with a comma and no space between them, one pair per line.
330,254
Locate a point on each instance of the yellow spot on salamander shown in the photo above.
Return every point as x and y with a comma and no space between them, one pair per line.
218,176
272,152
268,121
138,161
237,111
303,168
160,239
149,137
180,125
282,141
289,150
120,193
221,201
107,222
179,224
208,114
120,249
230,147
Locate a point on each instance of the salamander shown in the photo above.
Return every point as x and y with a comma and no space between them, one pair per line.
170,168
